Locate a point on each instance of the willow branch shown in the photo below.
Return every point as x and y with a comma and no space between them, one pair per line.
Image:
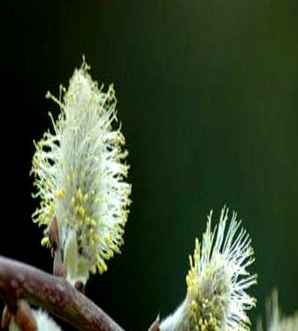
54,294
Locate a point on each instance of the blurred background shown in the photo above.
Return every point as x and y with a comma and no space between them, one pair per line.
208,101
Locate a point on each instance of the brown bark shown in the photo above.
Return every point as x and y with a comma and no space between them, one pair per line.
54,294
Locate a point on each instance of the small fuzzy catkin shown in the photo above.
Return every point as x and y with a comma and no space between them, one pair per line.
216,298
276,321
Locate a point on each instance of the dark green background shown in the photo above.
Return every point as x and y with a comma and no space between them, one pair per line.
208,99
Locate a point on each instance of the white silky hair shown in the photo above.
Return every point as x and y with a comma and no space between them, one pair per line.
177,321
43,320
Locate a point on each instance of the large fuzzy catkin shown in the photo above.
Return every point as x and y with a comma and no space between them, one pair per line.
216,298
80,173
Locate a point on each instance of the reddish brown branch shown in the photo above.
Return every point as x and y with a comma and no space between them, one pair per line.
54,294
